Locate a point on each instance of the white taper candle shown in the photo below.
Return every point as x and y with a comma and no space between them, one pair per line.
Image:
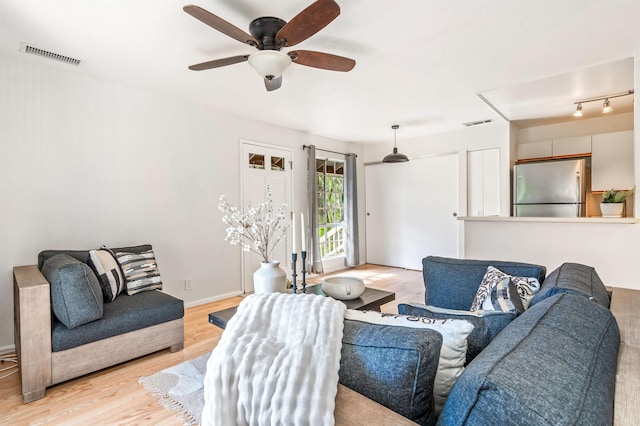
293,231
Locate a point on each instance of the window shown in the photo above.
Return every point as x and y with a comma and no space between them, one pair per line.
330,190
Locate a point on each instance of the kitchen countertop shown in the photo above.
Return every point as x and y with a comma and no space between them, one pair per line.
612,220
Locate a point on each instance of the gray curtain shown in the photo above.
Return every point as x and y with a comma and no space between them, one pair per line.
314,260
352,249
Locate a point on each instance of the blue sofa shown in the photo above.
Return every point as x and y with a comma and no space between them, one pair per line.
555,364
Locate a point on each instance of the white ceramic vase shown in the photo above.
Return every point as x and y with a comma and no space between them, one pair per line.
612,209
269,278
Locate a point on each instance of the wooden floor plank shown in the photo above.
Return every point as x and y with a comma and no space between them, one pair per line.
114,396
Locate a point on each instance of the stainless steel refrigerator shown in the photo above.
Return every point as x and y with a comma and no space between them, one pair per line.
553,188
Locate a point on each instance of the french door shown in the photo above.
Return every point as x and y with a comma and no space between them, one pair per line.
264,165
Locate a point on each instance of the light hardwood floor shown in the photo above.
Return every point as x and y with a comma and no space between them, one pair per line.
114,397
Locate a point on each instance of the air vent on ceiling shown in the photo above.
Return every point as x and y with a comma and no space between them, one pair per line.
27,48
476,123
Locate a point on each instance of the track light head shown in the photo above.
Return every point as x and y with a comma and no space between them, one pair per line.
578,112
606,106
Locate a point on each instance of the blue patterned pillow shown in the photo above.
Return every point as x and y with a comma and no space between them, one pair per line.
504,297
140,270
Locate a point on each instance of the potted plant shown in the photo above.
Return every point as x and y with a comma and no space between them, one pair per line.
259,230
612,204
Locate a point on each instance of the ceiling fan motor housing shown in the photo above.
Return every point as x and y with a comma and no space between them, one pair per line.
264,30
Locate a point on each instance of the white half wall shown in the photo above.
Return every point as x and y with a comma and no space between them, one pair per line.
85,163
612,249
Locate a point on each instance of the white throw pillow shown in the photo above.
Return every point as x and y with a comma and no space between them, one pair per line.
454,345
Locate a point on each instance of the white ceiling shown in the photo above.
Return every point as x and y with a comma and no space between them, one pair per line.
420,63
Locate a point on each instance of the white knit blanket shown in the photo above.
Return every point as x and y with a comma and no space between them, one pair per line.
276,363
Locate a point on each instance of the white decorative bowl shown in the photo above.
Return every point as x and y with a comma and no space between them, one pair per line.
343,287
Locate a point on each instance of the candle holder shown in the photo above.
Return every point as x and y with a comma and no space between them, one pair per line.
304,271
294,259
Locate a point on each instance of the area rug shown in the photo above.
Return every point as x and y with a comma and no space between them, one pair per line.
180,388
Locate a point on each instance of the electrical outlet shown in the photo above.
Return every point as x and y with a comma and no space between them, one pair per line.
187,284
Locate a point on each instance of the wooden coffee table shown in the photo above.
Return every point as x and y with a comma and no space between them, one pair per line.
371,300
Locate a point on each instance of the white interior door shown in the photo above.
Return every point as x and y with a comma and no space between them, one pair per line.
410,211
265,165
384,192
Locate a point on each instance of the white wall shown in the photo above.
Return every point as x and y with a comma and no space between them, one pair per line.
85,163
578,127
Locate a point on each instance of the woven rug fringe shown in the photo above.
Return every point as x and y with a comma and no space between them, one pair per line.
167,402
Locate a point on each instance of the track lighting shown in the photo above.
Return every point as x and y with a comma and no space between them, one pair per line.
395,157
578,112
606,106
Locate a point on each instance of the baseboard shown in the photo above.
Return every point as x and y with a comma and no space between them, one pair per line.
211,299
6,349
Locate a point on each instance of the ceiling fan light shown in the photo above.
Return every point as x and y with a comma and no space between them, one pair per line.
269,63
578,112
606,106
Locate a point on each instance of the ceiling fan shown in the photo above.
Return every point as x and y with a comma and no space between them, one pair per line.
269,35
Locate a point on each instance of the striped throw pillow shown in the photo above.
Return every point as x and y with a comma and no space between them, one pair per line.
104,264
140,271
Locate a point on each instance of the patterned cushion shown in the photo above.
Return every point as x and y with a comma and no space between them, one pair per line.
454,345
486,324
76,297
526,287
140,270
104,264
504,297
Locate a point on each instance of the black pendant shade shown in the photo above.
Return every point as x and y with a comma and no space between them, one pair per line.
395,156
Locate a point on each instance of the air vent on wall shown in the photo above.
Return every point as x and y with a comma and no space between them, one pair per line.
476,123
27,48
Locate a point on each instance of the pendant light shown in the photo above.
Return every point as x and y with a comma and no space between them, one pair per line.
395,157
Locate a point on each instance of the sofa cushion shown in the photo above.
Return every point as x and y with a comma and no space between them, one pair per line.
453,283
104,263
553,365
393,366
125,314
574,278
139,268
486,324
76,297
454,345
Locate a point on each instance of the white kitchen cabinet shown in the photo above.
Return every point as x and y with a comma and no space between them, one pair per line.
483,182
612,161
572,146
539,149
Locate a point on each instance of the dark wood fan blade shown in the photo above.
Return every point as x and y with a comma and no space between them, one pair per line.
308,22
325,61
273,84
220,24
217,63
